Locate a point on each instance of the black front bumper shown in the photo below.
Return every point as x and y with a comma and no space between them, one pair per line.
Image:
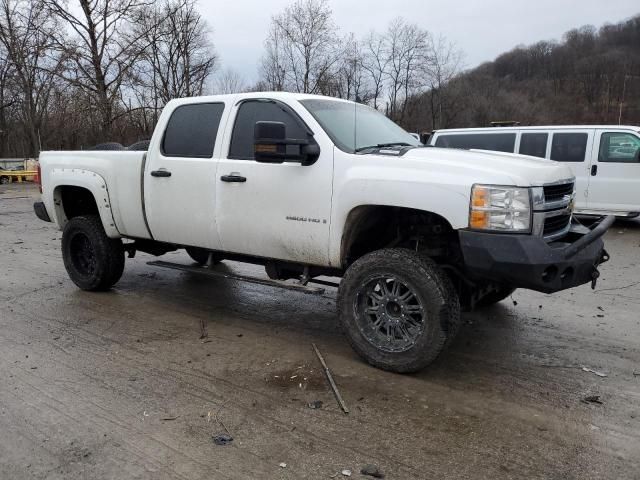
41,211
524,261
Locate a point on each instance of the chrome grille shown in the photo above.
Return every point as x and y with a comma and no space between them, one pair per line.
554,193
552,209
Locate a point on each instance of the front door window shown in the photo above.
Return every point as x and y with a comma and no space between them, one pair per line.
619,148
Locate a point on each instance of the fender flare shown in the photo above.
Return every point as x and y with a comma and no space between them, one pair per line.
75,177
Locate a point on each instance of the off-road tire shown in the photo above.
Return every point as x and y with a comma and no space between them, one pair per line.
495,296
108,146
107,254
201,255
454,322
428,282
141,146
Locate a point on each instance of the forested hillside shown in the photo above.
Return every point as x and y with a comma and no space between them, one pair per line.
591,76
102,71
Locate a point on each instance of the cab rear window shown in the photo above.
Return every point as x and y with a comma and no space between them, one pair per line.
191,130
499,142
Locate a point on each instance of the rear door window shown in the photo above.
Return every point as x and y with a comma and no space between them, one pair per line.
534,144
499,142
191,130
253,111
619,148
569,147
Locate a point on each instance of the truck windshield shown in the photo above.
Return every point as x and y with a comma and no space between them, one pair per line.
355,128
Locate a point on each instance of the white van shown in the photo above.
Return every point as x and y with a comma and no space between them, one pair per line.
604,158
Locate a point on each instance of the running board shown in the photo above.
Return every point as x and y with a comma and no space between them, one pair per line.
242,278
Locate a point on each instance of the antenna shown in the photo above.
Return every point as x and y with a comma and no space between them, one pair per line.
355,123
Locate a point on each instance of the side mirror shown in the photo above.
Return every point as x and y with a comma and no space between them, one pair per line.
271,145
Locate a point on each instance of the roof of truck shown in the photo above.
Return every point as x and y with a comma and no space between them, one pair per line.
541,127
241,96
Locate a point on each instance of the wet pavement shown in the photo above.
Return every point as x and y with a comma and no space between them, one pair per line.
120,385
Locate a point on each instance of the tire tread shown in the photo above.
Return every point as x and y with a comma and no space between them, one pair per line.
111,253
449,311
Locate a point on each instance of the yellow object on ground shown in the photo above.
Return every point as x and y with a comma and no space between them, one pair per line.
8,176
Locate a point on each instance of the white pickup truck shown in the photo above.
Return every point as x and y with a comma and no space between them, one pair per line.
311,186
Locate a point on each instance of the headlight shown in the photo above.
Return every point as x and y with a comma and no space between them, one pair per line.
505,209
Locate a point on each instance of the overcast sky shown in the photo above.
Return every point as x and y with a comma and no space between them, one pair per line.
482,29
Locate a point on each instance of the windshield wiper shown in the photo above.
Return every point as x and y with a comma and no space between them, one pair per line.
383,145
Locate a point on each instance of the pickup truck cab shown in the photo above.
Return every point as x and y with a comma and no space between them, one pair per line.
309,186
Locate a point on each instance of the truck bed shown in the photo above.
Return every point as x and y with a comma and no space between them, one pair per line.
121,172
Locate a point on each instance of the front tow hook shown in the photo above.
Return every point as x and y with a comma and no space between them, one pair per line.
595,274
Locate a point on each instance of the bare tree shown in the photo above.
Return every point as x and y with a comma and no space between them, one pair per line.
26,31
177,57
100,57
73,72
230,81
272,64
7,99
444,64
374,63
406,51
350,79
302,47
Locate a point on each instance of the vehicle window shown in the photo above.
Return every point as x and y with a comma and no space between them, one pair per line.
192,130
251,112
534,144
619,148
353,126
569,147
499,142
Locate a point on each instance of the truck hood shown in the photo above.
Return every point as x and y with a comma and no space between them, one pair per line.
488,166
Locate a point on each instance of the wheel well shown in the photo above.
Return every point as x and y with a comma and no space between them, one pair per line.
372,227
76,201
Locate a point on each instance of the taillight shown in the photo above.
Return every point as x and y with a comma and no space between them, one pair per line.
39,177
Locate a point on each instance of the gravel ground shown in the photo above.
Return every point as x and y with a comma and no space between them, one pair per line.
120,385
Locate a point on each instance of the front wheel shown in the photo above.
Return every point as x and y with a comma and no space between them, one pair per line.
4,180
93,261
398,309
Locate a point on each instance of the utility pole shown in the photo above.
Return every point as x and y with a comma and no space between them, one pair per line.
624,93
624,87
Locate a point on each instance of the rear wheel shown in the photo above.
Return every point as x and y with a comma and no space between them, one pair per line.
93,261
201,255
4,180
398,309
